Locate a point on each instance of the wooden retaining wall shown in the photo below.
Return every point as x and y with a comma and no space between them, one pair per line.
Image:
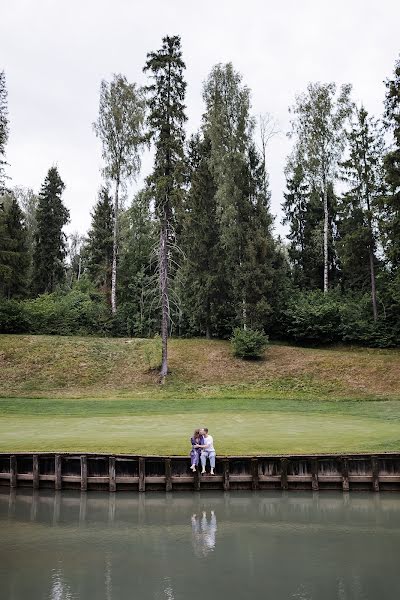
378,472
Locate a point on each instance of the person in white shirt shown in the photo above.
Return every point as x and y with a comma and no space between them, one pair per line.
207,451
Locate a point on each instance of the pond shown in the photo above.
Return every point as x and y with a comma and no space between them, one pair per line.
205,546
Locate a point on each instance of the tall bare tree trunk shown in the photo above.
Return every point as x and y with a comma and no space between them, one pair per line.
115,253
163,258
326,227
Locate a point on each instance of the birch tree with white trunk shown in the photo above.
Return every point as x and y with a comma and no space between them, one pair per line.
318,127
121,129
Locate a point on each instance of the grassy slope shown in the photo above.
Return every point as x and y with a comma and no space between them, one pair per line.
99,394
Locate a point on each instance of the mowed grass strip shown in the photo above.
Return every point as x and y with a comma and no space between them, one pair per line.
164,427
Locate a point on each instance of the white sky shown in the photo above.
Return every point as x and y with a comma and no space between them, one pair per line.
55,53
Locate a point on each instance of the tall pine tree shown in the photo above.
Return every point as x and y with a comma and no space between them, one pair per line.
204,285
363,170
391,223
14,254
166,96
99,248
241,194
50,248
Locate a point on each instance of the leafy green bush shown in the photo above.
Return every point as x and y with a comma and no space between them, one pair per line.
13,317
75,312
314,317
248,343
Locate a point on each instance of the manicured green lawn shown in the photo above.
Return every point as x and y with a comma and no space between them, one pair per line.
239,426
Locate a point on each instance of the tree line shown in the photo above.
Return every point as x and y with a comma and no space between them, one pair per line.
194,252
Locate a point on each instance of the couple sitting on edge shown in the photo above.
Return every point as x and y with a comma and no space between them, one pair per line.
202,448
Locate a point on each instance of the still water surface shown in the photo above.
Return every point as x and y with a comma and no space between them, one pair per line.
207,546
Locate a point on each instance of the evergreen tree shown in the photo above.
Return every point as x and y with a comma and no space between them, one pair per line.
241,194
120,126
391,206
99,248
318,128
258,244
50,248
166,96
204,287
363,171
14,255
28,202
4,130
138,291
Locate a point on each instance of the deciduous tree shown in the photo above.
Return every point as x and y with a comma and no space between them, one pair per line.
120,127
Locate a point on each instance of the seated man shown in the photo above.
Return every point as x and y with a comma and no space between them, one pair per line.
207,451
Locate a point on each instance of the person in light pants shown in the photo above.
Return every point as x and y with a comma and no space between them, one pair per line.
207,451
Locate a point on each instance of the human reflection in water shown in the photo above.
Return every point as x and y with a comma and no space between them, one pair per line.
203,533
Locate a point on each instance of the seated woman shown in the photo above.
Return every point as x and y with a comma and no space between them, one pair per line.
197,440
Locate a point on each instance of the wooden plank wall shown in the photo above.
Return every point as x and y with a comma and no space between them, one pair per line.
378,472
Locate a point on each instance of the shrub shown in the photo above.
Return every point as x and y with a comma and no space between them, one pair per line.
314,317
13,318
248,343
75,312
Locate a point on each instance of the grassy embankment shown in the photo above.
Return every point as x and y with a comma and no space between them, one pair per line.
92,394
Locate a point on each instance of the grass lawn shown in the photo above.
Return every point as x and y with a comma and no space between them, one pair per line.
95,394
245,426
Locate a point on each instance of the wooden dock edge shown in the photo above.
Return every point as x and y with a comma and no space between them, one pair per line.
126,472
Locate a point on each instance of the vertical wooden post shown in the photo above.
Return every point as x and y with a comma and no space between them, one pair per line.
284,479
35,472
225,477
168,475
375,473
345,474
142,474
57,472
314,475
111,474
83,473
196,481
254,474
13,471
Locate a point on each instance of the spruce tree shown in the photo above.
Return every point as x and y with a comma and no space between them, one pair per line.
204,287
99,247
391,205
50,248
241,194
363,170
14,254
166,119
4,130
138,291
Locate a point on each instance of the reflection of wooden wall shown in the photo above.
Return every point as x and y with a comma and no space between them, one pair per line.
157,473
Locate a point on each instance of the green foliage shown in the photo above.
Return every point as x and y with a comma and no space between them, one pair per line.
248,343
14,253
13,317
98,252
76,312
314,317
50,248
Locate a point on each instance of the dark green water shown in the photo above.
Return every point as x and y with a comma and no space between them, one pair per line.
301,546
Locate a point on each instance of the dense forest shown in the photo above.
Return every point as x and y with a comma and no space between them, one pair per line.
194,252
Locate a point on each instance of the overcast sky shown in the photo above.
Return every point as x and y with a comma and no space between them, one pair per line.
55,53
